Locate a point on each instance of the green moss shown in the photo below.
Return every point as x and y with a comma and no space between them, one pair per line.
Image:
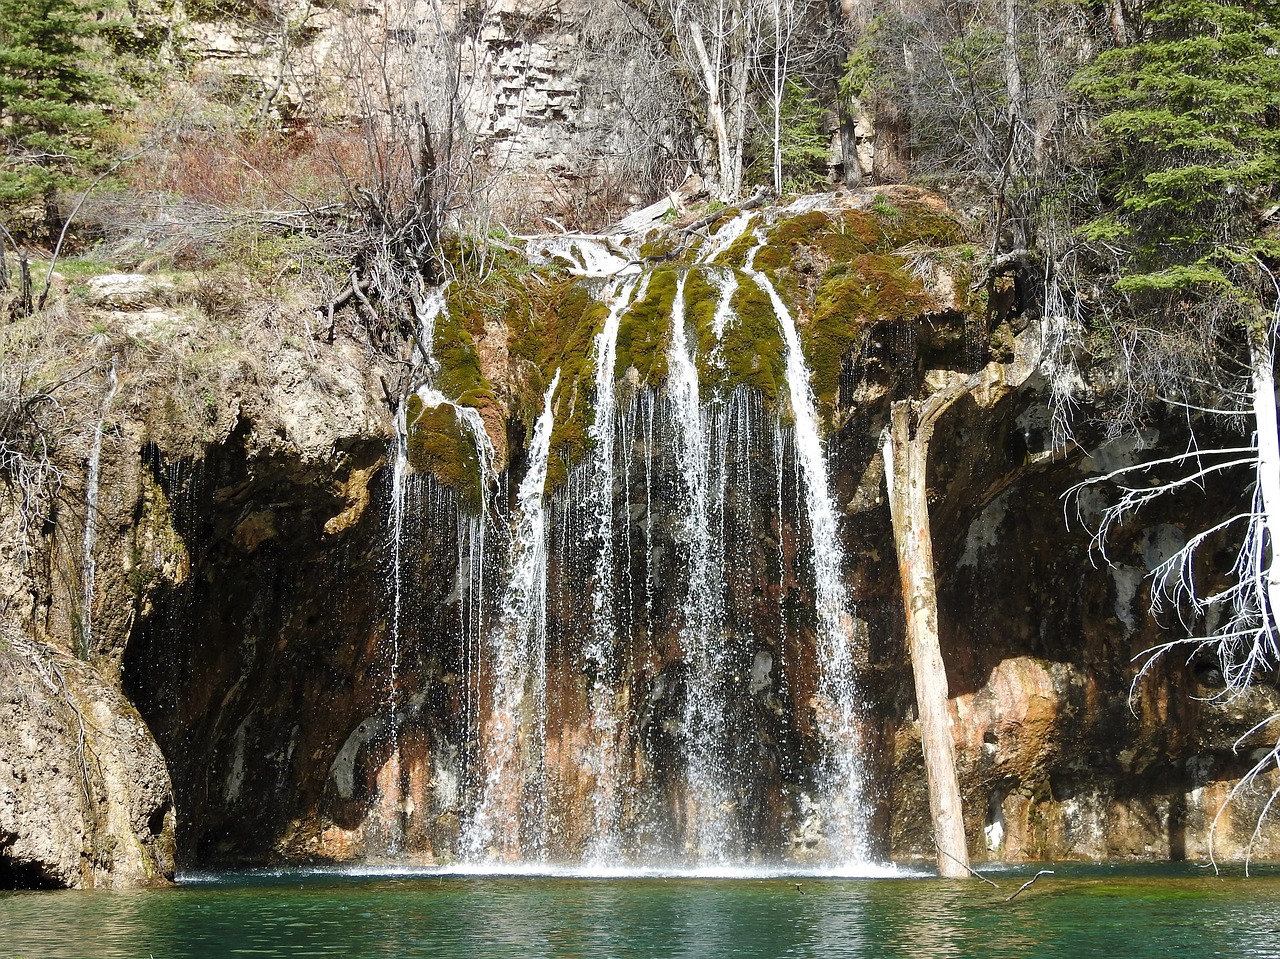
659,245
835,237
460,374
644,329
439,443
920,223
569,346
752,348
498,298
874,288
701,294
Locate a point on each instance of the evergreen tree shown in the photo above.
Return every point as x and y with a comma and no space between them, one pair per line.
1191,120
54,89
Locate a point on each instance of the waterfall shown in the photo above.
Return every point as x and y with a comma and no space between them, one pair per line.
701,633
724,238
598,652
836,700
427,306
514,790
395,538
92,484
672,726
584,254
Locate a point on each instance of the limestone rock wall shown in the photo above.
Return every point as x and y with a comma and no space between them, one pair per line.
85,790
85,798
533,121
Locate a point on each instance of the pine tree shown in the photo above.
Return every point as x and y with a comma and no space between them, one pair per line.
54,90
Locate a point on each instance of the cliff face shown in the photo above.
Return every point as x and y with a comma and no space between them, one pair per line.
85,791
323,627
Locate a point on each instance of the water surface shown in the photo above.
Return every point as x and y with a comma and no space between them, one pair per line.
1130,912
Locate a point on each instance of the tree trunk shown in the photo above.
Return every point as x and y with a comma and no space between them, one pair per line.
844,18
722,186
23,304
1262,359
850,170
739,77
906,456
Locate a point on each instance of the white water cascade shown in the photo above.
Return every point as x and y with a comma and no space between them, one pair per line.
639,676
598,653
428,305
702,606
836,701
513,799
92,487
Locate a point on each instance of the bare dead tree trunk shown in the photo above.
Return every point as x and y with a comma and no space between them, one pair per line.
715,114
906,451
1262,363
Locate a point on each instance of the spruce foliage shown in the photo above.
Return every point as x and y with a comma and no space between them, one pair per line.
54,91
1191,125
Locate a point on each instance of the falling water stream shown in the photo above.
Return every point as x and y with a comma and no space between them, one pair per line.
702,609
92,489
603,763
514,791
709,438
836,702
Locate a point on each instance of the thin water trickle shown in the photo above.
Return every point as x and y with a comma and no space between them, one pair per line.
428,305
724,316
92,488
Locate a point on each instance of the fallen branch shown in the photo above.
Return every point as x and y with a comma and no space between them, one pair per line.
756,199
1042,872
354,289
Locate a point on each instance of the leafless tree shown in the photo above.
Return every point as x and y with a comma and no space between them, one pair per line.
731,60
1231,613
414,77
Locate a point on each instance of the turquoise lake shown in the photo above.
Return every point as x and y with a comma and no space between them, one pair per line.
1121,911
